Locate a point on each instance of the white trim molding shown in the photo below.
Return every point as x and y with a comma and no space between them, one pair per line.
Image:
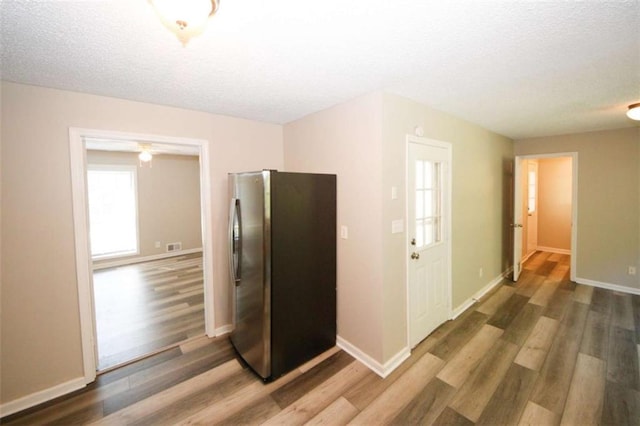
553,250
132,260
225,329
480,293
609,286
382,370
40,397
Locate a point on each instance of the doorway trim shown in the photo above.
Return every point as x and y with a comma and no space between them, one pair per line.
447,230
574,201
78,159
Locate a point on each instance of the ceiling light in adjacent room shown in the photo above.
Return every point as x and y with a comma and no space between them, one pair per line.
185,18
145,155
634,111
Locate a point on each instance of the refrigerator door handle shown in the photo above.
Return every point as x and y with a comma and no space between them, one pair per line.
235,241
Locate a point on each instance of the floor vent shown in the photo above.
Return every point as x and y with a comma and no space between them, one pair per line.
174,247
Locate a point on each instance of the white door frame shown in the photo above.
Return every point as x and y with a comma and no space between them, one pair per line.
84,273
574,201
447,230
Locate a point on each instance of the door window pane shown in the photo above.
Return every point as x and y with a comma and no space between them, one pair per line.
428,198
113,215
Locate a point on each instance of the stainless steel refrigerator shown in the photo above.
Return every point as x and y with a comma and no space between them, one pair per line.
282,260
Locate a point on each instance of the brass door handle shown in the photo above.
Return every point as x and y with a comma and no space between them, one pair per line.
415,255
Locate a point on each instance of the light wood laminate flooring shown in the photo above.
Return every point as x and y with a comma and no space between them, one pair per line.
146,307
542,351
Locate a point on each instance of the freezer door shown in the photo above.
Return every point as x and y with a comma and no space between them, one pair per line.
250,268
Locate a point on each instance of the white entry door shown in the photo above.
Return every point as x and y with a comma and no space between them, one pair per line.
429,240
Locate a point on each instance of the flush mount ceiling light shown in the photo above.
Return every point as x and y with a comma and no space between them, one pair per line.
185,18
145,155
634,111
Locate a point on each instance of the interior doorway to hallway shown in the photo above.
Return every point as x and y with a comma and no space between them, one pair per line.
545,206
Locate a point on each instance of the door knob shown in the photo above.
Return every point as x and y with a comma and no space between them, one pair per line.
415,255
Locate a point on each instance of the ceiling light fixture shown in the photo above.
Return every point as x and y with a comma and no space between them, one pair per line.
634,111
185,18
145,155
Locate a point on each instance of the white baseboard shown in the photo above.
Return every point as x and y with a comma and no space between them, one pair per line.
39,397
132,260
382,370
223,330
608,286
553,250
478,295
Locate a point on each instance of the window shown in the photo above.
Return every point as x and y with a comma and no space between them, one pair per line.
113,215
428,203
532,192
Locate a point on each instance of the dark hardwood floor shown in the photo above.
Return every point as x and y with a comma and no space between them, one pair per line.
145,307
543,351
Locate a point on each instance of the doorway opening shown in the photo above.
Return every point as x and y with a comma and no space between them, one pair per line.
143,239
545,207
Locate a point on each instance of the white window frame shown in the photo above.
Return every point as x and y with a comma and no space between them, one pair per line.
127,168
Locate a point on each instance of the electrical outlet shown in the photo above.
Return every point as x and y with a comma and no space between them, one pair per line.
344,232
157,244
480,272
632,270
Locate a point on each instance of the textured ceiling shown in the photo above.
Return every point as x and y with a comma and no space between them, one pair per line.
519,68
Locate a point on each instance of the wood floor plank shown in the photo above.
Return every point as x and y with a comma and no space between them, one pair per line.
534,350
462,364
427,405
257,412
635,302
622,359
555,375
297,388
508,311
452,342
510,398
452,418
583,294
558,304
602,300
535,415
338,413
527,287
147,407
622,311
544,293
518,331
491,305
241,400
595,339
400,393
313,402
474,395
148,388
621,405
586,394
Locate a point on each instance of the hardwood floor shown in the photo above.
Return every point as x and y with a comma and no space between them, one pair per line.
543,351
145,307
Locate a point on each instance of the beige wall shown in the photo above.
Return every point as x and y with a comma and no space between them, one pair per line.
40,328
608,200
168,199
346,140
554,203
364,142
480,205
